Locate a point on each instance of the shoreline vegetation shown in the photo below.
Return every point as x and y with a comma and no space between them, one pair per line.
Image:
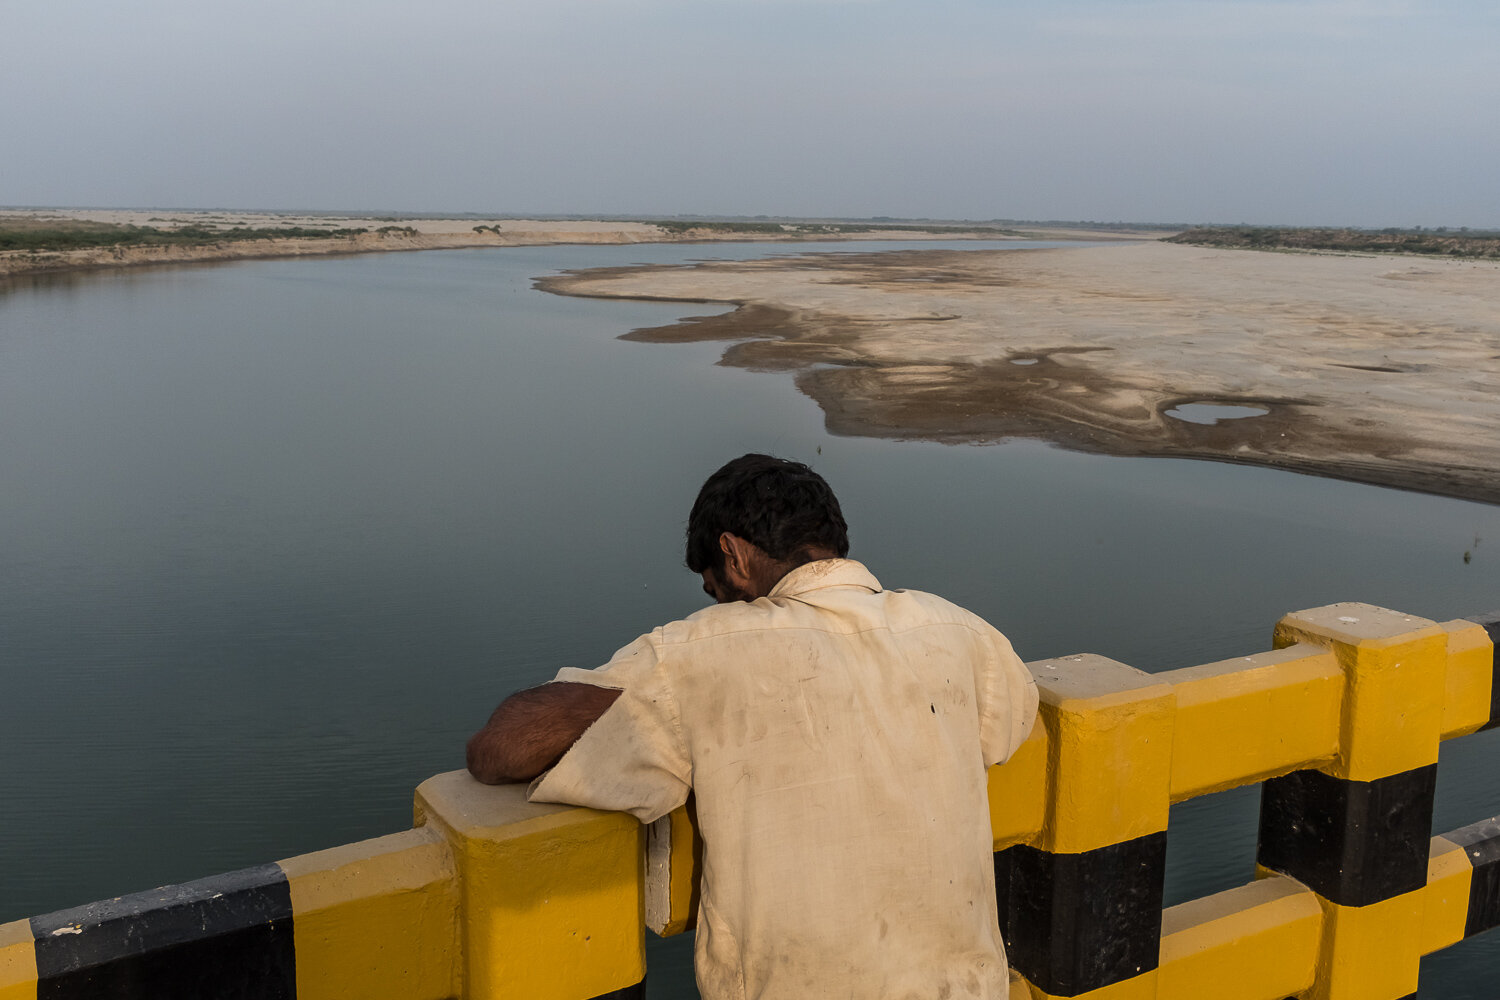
38,241
1444,242
94,235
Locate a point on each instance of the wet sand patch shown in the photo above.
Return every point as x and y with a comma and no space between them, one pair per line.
1364,371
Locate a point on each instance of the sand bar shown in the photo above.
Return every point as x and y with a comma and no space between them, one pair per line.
399,233
1381,369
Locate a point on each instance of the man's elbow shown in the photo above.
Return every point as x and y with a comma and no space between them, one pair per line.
491,763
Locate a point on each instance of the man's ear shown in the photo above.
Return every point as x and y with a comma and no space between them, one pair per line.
738,560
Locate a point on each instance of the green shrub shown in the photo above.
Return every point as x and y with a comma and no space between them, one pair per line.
91,235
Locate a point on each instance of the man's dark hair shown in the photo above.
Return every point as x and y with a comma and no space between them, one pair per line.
782,508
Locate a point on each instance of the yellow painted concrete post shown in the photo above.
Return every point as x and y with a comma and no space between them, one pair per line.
1109,748
1445,908
1108,752
1374,800
1018,792
1471,673
551,898
17,962
376,920
1395,673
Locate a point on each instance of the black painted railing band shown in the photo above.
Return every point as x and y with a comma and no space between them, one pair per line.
1481,843
228,936
1353,842
1077,922
636,992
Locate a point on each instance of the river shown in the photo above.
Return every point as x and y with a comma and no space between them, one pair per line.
279,534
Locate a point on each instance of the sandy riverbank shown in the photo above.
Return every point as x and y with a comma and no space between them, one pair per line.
1378,369
402,233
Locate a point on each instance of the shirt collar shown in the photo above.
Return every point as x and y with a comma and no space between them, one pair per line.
822,574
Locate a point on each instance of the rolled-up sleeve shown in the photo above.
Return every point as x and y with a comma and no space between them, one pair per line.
634,758
1007,699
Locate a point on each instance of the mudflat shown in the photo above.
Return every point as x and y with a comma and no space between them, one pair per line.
1381,369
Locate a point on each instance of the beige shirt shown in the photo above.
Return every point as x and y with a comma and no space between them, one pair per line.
837,737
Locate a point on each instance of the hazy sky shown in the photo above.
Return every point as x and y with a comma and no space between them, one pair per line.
1354,112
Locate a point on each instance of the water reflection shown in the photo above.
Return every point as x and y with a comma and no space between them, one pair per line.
1212,413
279,534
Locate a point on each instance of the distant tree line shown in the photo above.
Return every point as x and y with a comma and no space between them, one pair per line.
84,236
680,226
1440,242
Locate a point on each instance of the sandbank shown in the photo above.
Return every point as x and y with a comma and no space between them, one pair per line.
401,233
1380,369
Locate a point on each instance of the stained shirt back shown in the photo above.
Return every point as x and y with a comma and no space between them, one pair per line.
837,736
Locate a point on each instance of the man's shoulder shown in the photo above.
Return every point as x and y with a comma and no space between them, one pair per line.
717,620
833,610
919,607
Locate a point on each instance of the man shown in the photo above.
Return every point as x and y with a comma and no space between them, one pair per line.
836,735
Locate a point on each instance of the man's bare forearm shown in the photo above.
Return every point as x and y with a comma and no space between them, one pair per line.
533,728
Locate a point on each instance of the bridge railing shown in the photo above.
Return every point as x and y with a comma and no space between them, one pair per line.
1340,724
489,896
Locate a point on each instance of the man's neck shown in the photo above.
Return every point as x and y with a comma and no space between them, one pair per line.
798,559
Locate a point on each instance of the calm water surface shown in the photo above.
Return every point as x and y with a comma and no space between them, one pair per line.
278,535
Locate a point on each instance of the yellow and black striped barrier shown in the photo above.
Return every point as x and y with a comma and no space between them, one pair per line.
1340,724
489,896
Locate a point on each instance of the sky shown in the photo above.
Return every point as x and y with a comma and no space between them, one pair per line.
1366,113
